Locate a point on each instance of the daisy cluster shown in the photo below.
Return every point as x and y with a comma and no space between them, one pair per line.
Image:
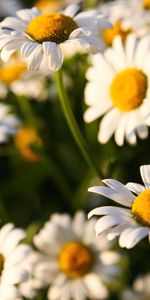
93,56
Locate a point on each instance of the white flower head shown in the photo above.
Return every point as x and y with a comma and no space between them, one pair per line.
42,37
75,264
15,77
11,255
131,15
9,124
119,87
132,222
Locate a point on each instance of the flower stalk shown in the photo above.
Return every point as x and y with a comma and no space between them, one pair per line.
73,126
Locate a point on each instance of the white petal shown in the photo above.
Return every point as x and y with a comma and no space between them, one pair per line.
117,230
108,125
120,130
13,238
28,14
116,195
135,187
142,51
35,58
13,23
78,223
145,174
95,288
5,230
55,57
109,210
130,46
14,276
107,222
71,10
123,240
136,235
27,48
119,51
115,184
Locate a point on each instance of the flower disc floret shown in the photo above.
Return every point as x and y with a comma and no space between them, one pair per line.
75,259
110,33
128,89
141,208
53,27
146,4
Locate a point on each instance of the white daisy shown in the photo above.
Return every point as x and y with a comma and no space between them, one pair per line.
132,222
9,7
15,77
131,15
11,255
119,87
9,124
30,287
42,37
75,264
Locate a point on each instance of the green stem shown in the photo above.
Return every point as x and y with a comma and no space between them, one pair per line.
65,104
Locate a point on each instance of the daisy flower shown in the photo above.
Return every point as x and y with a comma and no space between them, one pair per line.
15,77
126,16
119,87
132,222
11,256
9,124
75,264
42,37
30,288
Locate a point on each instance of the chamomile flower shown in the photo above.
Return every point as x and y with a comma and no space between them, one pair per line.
127,16
9,124
11,256
132,222
119,87
75,264
43,37
15,77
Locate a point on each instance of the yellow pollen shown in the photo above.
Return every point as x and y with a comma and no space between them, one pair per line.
109,34
75,259
25,139
52,27
146,4
1,264
128,89
11,72
141,208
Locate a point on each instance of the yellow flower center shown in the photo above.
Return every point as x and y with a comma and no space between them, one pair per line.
25,139
128,89
109,34
1,263
52,27
75,259
48,5
146,4
141,208
12,72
